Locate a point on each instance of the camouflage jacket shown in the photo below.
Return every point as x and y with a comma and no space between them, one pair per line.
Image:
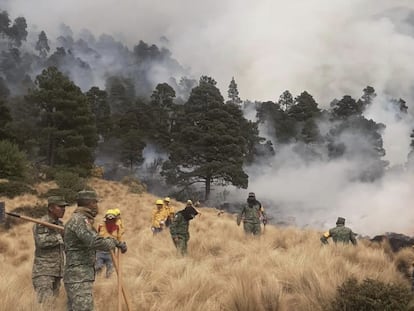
179,226
339,234
81,243
251,214
48,256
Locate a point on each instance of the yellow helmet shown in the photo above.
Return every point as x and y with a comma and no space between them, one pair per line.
159,202
117,212
167,199
110,214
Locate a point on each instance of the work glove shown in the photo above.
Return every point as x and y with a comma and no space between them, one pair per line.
122,246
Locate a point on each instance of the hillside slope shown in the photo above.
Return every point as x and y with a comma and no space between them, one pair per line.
284,269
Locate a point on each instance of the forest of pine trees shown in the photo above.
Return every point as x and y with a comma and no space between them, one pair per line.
53,116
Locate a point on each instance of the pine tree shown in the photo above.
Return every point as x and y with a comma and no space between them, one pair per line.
233,93
132,146
67,126
42,44
161,114
285,100
346,107
5,119
367,97
18,31
99,105
208,144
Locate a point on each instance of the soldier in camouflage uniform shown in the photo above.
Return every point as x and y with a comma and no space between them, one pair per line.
179,227
81,243
252,214
49,257
339,234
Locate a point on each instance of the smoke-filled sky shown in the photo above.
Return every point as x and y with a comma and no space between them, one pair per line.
329,48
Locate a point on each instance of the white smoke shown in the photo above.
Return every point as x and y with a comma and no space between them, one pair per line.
328,48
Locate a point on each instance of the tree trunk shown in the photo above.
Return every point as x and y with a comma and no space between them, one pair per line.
208,188
51,149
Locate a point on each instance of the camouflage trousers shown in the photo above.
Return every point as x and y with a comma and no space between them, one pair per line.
104,259
80,297
46,287
180,243
252,228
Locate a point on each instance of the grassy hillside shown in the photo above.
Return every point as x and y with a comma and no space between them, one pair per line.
284,269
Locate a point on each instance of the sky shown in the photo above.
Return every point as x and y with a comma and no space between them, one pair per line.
329,48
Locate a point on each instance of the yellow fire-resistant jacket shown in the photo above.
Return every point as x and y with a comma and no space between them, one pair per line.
120,225
169,211
103,231
159,216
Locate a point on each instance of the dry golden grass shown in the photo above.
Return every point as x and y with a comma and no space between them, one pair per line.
284,269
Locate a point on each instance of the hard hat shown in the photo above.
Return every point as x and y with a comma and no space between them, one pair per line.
167,199
189,202
110,214
159,202
251,194
117,212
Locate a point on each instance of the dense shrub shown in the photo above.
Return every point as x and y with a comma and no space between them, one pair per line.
13,162
13,189
370,295
134,185
69,184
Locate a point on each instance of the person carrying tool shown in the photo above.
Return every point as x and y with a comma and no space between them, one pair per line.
252,214
108,228
179,227
159,217
169,211
48,261
81,243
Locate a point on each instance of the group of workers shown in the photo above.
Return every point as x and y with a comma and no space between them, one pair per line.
82,250
164,216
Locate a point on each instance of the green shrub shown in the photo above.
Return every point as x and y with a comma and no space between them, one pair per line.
13,189
134,185
13,162
69,184
371,295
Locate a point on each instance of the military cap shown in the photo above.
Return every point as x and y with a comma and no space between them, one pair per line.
86,195
340,221
57,200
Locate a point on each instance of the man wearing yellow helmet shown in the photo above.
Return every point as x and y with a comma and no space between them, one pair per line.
158,217
108,228
169,211
119,222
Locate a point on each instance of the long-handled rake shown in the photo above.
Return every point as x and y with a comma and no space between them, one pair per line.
3,214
